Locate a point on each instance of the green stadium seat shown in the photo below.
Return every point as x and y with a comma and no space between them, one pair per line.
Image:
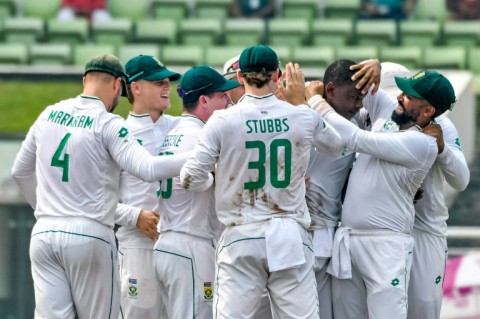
187,55
200,32
343,9
433,10
461,33
156,31
244,32
376,32
82,53
300,9
284,54
419,33
126,52
115,31
474,66
71,32
8,8
288,32
216,56
212,9
408,56
444,57
13,53
332,32
50,54
23,30
313,57
357,53
170,9
45,9
134,10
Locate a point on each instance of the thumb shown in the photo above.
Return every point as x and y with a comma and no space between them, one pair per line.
157,214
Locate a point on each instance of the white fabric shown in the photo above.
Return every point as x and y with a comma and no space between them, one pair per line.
225,137
324,287
381,263
283,244
136,194
74,269
181,210
98,145
323,242
140,294
425,291
431,213
185,272
341,264
242,276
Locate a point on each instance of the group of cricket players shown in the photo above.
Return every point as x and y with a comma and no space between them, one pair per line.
268,197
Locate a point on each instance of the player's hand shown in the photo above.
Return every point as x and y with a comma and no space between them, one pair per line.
315,88
418,195
147,223
369,73
280,89
435,130
295,84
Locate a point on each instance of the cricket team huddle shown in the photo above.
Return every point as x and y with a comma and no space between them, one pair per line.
268,197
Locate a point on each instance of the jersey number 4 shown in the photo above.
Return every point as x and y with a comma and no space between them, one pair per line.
274,163
57,162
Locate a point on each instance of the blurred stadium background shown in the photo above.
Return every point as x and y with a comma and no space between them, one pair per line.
41,62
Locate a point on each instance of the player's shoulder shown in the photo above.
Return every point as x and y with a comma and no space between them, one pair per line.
444,122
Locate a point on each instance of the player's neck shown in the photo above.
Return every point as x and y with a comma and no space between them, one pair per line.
139,109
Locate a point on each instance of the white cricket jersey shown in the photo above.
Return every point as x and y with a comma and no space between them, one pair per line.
76,149
183,211
431,213
386,175
135,194
329,173
262,146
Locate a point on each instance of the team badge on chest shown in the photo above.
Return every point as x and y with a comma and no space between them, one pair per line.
207,291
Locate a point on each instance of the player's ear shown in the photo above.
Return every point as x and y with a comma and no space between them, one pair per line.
240,78
330,90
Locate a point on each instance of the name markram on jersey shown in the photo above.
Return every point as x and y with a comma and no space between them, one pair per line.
64,118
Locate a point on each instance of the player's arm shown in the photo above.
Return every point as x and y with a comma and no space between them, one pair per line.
368,75
450,158
126,215
409,148
196,173
23,170
134,159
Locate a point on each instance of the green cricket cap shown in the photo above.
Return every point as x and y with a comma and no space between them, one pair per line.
202,80
148,67
430,86
110,64
258,58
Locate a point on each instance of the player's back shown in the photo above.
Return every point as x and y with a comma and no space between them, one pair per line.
264,152
76,174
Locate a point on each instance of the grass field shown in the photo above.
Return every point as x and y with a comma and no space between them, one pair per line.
22,101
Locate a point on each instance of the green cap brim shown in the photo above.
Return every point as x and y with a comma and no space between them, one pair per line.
404,84
228,85
164,74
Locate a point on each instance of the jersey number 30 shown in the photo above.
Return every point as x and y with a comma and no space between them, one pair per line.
274,163
57,162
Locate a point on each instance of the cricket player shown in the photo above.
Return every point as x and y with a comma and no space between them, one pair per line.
149,88
372,249
328,175
429,228
184,255
230,69
261,147
68,168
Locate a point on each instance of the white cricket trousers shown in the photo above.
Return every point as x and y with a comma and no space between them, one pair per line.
140,294
242,275
425,291
185,271
381,262
74,269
